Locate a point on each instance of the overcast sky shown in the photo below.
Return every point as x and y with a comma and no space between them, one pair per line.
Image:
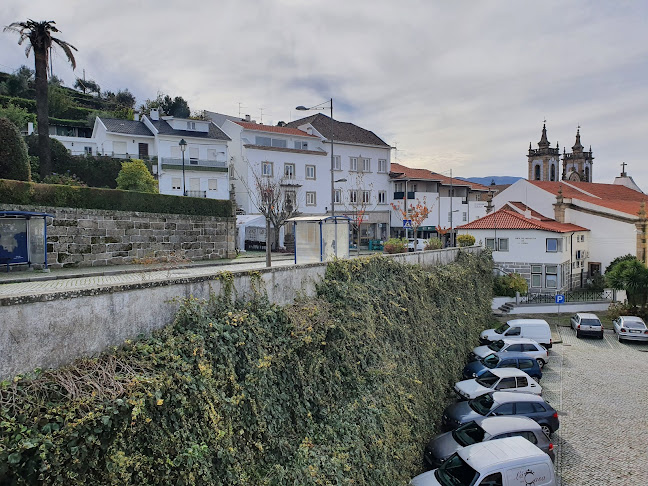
461,85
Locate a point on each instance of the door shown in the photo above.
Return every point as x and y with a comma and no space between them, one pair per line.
143,150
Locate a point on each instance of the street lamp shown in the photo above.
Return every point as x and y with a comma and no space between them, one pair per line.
183,147
320,107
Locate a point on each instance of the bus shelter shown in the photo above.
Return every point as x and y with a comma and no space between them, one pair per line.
320,238
23,238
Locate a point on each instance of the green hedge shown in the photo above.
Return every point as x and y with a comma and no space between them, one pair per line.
29,105
68,123
16,192
341,389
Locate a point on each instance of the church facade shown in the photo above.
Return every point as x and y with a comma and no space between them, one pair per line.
544,162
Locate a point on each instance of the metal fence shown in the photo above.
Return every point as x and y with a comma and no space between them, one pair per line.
607,295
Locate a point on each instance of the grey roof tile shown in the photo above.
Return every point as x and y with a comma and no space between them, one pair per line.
165,129
127,127
341,131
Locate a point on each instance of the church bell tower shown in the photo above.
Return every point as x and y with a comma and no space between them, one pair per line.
544,162
577,166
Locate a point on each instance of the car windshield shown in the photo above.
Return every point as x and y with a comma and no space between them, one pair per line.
456,472
502,329
482,404
490,361
468,434
591,322
496,346
634,325
487,379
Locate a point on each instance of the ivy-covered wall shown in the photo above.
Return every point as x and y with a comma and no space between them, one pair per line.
343,388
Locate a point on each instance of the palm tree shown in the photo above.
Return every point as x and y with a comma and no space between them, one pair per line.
40,39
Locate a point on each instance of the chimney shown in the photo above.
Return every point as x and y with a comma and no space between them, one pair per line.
136,116
281,124
248,118
155,114
527,213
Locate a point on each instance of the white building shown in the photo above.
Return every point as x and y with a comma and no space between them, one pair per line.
451,201
550,255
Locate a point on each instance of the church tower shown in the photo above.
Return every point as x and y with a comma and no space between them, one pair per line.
544,162
577,166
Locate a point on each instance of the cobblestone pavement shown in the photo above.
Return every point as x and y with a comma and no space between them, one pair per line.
600,389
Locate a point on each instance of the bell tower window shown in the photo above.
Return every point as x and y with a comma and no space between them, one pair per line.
553,173
537,173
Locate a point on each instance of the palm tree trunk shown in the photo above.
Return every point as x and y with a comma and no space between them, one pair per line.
45,158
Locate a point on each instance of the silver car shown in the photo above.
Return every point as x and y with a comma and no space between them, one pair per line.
481,430
630,328
516,345
586,325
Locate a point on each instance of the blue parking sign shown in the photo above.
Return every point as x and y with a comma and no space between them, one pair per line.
560,298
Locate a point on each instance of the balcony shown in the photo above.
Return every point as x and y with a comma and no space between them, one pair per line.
172,163
197,193
401,195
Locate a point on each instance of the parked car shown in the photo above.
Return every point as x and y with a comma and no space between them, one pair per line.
504,379
513,461
521,361
586,325
502,403
536,329
630,328
482,430
520,345
420,245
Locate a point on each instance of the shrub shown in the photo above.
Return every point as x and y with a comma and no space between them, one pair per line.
14,160
24,193
17,115
64,179
135,176
466,240
433,244
343,388
618,260
395,245
508,285
29,105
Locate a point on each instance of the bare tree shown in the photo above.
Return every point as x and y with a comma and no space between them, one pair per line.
415,213
358,203
40,39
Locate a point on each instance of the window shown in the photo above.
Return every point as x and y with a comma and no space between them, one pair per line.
505,409
530,436
381,197
193,155
554,244
301,145
366,165
337,162
536,268
366,197
212,184
526,364
289,171
537,173
503,244
587,174
513,331
522,381
338,196
490,243
175,152
191,125
291,198
310,172
536,280
310,199
279,143
506,383
494,479
266,169
517,348
87,150
353,163
464,216
382,165
538,407
553,173
551,276
176,182
263,141
214,154
579,254
524,408
353,197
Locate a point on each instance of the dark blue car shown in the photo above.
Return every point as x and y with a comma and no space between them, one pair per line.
507,359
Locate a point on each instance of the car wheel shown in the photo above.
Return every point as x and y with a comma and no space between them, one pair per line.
601,336
541,362
546,429
619,338
577,334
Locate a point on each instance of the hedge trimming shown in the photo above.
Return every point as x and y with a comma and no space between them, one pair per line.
342,389
29,105
25,193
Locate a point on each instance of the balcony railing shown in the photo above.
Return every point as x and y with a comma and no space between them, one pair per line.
197,193
401,195
189,163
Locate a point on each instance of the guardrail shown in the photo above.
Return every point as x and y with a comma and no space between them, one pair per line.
606,295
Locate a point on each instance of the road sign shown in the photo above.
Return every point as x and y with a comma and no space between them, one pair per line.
560,298
407,223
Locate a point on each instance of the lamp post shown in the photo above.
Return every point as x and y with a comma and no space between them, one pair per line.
183,147
320,107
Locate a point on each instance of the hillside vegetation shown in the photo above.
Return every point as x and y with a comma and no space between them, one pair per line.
344,388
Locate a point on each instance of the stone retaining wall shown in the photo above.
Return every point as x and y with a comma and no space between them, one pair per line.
92,237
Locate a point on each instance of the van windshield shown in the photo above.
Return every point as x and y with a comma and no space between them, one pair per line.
502,329
490,361
487,379
496,346
482,404
456,472
468,434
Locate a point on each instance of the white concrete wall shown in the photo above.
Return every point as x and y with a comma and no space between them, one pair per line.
531,195
76,145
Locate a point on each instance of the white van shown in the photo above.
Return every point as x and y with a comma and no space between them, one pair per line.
513,461
536,329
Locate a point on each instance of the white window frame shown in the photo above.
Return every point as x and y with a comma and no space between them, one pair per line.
366,197
289,174
382,165
353,196
464,216
382,197
502,244
490,243
337,162
191,125
313,175
311,198
366,164
558,245
267,169
338,196
353,164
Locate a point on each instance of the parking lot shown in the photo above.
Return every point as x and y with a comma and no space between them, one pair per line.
600,388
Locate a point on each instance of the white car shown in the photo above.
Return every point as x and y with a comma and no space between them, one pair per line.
519,345
420,245
498,379
630,328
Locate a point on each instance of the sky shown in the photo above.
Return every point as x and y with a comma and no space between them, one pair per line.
461,85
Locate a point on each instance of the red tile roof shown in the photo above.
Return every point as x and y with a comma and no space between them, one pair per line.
507,219
399,171
273,129
520,207
611,196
